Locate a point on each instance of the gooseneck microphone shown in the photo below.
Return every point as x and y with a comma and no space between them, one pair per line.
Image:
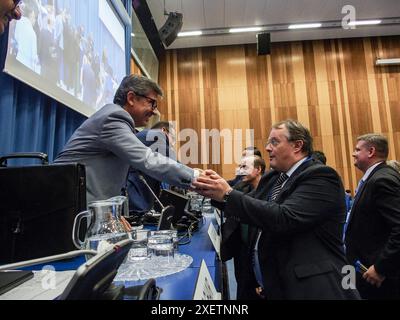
141,177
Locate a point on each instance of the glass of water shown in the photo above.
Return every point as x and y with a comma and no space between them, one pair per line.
139,250
161,245
172,233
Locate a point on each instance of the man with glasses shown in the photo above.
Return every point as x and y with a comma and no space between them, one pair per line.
299,211
8,10
107,145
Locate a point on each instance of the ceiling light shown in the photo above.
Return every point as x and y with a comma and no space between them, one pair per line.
305,26
388,62
190,33
364,22
252,29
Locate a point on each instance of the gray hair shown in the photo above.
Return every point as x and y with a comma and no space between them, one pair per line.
379,142
138,84
296,131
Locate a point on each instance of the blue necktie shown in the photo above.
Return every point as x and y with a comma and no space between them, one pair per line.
274,193
359,186
346,224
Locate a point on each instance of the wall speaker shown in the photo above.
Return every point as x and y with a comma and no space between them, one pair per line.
263,43
169,31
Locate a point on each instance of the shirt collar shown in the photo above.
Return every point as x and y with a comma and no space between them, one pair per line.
295,166
370,169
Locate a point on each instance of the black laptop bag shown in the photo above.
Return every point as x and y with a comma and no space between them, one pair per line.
38,205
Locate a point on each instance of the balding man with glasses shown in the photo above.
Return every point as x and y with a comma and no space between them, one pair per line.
107,145
299,211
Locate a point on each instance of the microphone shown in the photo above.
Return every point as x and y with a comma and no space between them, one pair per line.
167,213
141,177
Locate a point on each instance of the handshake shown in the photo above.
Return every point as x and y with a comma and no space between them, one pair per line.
210,185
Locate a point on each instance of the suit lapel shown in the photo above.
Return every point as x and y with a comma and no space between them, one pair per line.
360,192
265,184
293,178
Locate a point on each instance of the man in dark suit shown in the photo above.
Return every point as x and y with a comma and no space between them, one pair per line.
373,232
301,219
160,138
236,236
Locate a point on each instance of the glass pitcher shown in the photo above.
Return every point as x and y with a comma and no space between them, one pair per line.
124,208
104,227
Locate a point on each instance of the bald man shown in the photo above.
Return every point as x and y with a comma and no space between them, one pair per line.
8,10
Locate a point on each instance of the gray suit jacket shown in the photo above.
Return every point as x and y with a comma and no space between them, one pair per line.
106,144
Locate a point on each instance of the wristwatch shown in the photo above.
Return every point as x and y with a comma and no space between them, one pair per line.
226,195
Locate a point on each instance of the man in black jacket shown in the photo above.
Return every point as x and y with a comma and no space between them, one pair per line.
373,232
300,210
236,236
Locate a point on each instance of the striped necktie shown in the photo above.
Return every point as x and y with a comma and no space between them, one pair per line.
278,186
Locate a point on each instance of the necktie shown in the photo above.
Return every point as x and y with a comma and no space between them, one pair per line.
359,186
346,224
278,186
274,193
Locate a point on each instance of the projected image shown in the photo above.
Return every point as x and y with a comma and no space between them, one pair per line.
77,48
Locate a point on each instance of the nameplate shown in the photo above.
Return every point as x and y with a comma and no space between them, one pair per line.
205,288
215,238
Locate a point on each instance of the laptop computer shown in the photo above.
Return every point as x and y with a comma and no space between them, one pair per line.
10,279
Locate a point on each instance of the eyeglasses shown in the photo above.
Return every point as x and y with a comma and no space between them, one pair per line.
274,142
152,101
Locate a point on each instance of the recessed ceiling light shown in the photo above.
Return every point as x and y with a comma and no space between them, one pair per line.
364,22
190,33
387,62
305,26
251,29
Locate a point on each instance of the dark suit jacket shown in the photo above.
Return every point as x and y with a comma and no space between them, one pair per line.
141,199
373,232
300,250
233,245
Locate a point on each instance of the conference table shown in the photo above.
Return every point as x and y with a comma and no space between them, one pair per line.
181,285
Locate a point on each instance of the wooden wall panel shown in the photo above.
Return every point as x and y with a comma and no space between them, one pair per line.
331,86
135,68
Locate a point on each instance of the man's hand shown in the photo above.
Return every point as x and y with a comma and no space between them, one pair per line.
201,171
373,277
211,185
260,292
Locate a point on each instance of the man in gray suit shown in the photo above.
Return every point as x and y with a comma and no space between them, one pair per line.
106,143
